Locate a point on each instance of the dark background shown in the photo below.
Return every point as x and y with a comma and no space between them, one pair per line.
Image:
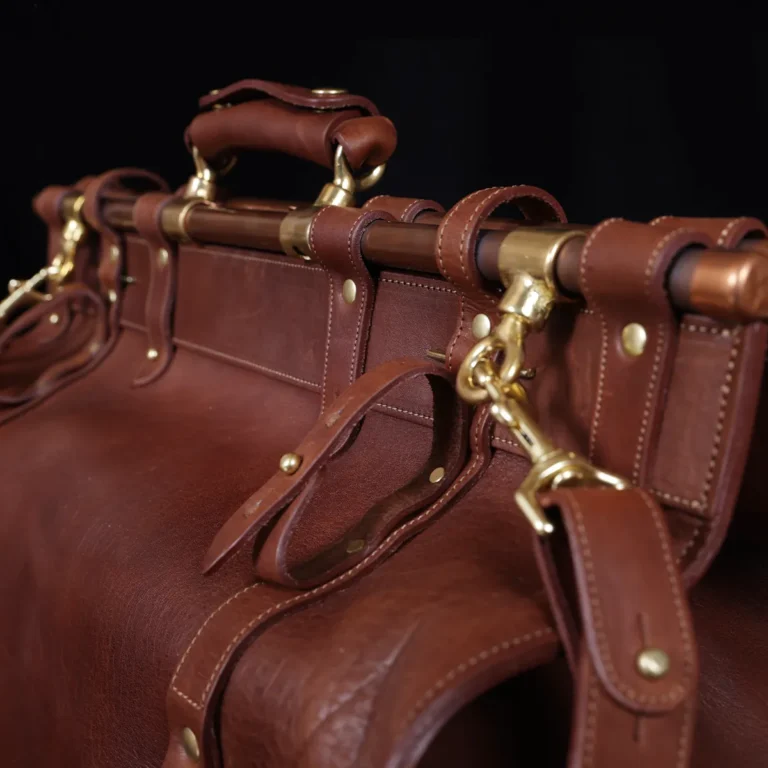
628,126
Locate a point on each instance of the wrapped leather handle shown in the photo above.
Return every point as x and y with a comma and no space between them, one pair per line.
296,121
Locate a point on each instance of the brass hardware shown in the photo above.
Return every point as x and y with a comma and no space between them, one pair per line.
112,295
341,191
214,92
633,339
162,257
114,253
437,355
191,747
294,232
329,91
535,252
653,663
437,475
355,546
202,185
483,378
54,319
481,326
290,463
173,218
349,291
58,272
152,354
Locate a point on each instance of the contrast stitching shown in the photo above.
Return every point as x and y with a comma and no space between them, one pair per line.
447,496
419,285
409,208
691,503
444,225
590,736
199,632
473,661
463,258
660,219
275,262
676,691
725,332
424,416
728,229
682,748
694,535
459,332
372,200
357,270
248,363
330,304
603,333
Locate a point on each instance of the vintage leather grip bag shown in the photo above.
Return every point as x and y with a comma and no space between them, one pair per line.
325,485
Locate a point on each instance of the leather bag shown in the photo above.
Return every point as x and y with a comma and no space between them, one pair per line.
293,485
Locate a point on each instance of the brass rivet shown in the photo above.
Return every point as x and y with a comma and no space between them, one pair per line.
113,296
162,257
329,91
349,291
54,318
289,463
437,475
191,747
114,253
355,546
213,92
481,326
152,353
13,285
653,663
633,339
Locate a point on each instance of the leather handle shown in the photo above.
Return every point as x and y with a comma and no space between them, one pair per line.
272,117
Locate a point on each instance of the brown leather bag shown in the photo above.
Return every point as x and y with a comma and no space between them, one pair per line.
384,486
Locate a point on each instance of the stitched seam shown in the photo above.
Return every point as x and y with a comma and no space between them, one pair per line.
200,631
215,353
690,503
373,200
676,691
276,262
330,305
459,333
362,303
728,229
660,342
725,332
443,226
603,334
660,219
408,210
590,736
419,285
424,416
447,496
472,661
682,747
470,222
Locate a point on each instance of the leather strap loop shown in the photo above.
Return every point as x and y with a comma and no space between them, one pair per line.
725,233
335,235
199,680
404,209
617,597
290,496
456,254
162,286
623,270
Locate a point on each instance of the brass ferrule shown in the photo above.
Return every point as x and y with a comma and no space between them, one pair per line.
294,232
535,252
173,218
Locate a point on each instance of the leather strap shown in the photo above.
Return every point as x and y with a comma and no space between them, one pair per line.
333,435
199,680
725,233
335,235
404,209
163,254
617,597
456,254
622,275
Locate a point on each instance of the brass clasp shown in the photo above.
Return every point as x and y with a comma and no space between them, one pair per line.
61,268
341,191
492,370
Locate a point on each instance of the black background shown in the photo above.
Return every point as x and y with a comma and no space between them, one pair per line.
628,126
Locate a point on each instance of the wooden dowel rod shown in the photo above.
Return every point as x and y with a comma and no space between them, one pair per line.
725,285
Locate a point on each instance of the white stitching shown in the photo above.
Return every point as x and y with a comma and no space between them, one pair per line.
659,219
330,305
419,285
278,261
588,756
342,577
728,229
409,208
444,224
473,661
725,332
424,416
682,748
603,333
364,278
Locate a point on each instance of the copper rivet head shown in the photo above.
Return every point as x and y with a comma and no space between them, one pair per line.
289,463
355,546
349,291
437,475
481,326
633,339
191,747
113,296
653,663
114,253
162,257
54,318
152,354
328,91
